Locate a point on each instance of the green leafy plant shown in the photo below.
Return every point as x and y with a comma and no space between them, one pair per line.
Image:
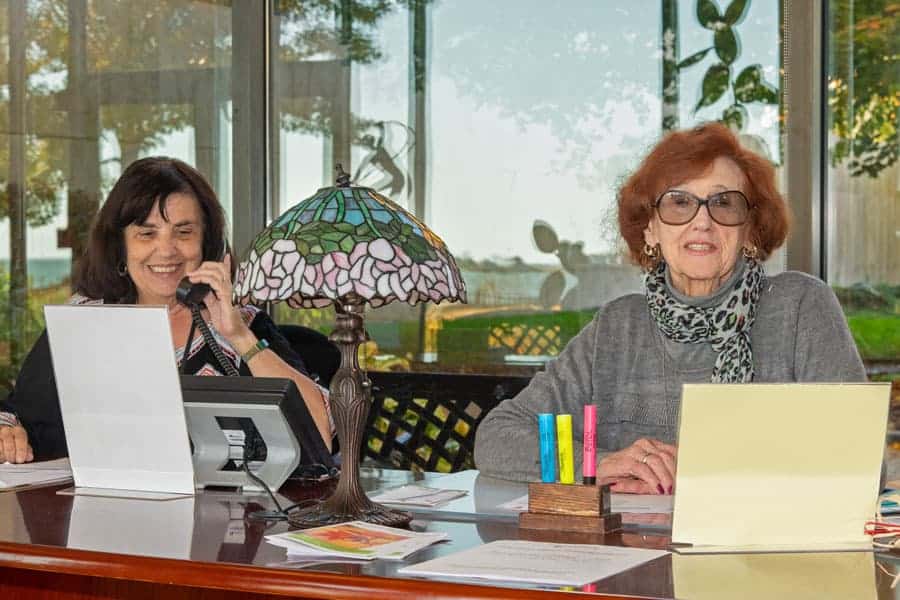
746,87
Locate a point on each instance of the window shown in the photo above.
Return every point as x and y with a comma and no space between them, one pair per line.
93,85
863,175
507,127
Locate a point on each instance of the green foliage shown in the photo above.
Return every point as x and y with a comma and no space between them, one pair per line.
749,85
877,335
864,84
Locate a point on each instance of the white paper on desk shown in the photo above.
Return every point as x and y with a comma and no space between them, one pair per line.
536,562
34,473
778,465
417,495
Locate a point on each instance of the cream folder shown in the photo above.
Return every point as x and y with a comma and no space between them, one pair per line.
778,466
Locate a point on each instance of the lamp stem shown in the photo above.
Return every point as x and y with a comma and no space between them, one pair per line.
351,398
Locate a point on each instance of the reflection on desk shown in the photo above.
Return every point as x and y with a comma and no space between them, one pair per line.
209,547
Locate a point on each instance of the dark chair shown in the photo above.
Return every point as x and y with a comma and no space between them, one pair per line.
427,421
321,357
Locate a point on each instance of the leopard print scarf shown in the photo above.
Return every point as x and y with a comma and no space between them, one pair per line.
725,326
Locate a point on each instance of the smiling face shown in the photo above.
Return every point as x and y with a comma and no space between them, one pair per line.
701,254
159,252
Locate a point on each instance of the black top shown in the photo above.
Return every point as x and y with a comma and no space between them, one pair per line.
35,401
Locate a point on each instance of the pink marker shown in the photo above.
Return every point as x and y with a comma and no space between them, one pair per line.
589,464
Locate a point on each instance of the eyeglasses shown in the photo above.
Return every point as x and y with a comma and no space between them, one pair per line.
677,207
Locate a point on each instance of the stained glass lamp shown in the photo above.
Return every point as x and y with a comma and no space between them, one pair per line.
348,246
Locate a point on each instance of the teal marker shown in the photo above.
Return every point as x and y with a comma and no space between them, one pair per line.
547,432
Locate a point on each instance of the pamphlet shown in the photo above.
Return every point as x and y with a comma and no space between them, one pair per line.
355,539
418,495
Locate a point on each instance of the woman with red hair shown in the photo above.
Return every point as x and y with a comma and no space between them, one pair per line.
700,215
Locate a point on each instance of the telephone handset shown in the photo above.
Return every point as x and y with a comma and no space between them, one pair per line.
192,295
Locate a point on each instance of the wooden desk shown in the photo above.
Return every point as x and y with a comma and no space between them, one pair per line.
54,546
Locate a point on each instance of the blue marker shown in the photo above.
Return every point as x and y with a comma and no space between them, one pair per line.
547,429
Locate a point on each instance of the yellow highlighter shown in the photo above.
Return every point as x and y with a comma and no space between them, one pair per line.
564,444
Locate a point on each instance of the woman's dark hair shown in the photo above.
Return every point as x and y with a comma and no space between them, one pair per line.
131,200
684,155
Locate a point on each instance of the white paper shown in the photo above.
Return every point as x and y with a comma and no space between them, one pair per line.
536,562
641,503
620,503
120,400
35,473
312,543
519,504
417,495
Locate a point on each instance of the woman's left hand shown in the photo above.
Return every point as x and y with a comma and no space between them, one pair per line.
225,317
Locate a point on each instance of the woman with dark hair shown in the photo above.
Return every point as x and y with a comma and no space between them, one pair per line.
161,222
699,215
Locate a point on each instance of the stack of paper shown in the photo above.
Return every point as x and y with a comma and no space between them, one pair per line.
418,495
38,473
355,539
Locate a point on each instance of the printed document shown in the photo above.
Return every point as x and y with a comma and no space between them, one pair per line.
536,562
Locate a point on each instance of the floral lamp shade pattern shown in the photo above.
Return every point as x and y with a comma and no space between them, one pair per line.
348,242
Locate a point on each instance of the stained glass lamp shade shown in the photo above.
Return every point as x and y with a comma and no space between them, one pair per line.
348,246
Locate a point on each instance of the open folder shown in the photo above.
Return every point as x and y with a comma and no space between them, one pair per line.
778,467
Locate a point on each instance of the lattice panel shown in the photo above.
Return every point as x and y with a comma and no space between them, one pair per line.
526,340
428,423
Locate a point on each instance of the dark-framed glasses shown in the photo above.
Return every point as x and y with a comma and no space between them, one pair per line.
677,207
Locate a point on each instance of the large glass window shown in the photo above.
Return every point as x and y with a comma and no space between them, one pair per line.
507,127
863,175
88,86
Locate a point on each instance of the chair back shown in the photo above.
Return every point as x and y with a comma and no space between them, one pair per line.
321,357
427,421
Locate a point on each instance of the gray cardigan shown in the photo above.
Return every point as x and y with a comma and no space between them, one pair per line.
621,362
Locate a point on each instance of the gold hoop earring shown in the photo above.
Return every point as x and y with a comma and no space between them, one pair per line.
652,252
751,252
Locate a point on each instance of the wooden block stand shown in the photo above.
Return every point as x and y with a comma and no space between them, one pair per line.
561,507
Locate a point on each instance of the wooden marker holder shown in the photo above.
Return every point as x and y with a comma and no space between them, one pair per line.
564,507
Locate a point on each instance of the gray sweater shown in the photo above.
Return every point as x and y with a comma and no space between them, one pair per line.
622,363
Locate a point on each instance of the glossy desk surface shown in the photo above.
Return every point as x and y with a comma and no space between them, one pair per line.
58,546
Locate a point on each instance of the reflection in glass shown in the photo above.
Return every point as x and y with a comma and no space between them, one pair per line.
510,141
862,218
102,82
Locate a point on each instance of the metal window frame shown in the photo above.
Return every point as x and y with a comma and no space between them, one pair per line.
251,97
804,25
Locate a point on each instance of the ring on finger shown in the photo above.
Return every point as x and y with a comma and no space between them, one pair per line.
645,457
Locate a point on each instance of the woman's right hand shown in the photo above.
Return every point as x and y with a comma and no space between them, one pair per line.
14,446
645,467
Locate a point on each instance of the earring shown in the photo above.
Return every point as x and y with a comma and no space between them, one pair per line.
750,252
652,251
122,269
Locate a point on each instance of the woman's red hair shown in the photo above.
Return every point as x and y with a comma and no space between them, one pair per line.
685,155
